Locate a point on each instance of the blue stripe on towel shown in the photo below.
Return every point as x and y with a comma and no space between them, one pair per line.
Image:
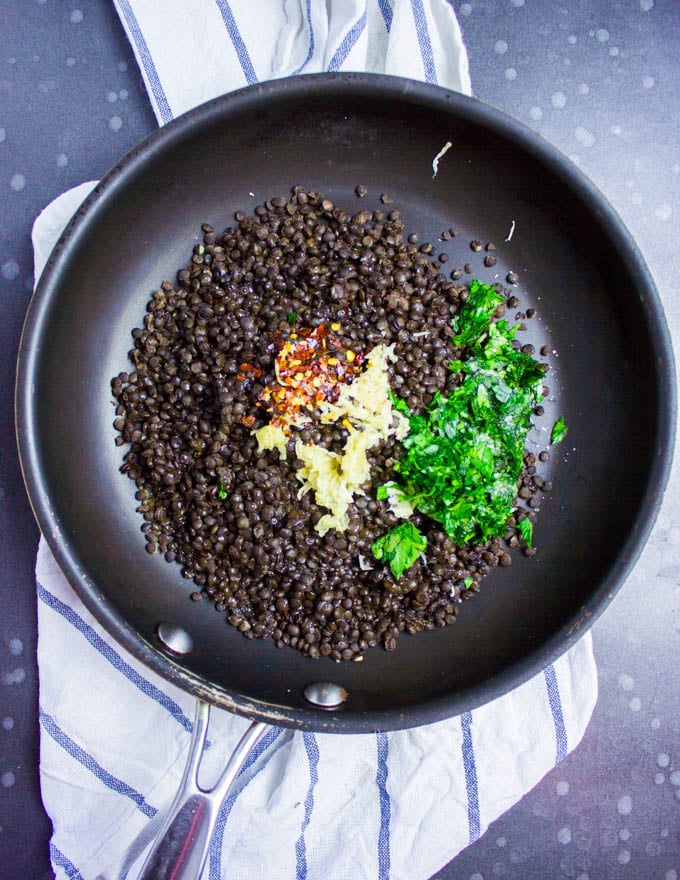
470,768
79,754
556,709
312,749
237,40
348,43
108,653
423,33
147,61
215,851
310,51
61,861
387,13
383,748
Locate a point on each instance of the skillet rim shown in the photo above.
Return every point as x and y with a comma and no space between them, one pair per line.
47,289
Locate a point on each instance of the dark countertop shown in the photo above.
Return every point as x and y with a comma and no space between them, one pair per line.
598,79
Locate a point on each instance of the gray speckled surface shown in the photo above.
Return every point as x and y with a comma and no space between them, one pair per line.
599,79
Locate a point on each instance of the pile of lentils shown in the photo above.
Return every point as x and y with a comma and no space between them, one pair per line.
230,514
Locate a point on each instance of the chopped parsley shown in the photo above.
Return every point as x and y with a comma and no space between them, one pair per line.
400,547
463,455
221,491
476,314
559,431
526,529
292,317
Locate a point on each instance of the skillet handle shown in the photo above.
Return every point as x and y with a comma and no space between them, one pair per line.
181,848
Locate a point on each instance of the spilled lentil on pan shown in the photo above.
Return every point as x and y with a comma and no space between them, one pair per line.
268,404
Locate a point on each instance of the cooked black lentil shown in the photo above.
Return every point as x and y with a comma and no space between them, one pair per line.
228,513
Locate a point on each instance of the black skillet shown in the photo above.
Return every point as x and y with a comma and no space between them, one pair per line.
612,380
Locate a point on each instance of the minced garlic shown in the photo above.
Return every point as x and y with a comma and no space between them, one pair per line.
364,407
399,505
365,401
335,478
272,437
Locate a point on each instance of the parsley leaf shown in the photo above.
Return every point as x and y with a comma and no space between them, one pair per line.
526,529
399,404
291,317
400,547
463,455
474,317
221,491
559,431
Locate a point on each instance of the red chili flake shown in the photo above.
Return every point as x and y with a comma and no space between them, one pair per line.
310,369
251,368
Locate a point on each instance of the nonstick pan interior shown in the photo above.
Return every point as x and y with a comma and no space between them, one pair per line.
611,380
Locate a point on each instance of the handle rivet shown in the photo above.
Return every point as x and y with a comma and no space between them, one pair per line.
175,638
325,694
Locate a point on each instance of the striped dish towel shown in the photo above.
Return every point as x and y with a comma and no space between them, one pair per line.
192,50
114,736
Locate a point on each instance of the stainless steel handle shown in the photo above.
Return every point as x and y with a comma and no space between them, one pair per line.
181,848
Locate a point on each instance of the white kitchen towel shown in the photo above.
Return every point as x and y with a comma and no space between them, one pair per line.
114,736
192,50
